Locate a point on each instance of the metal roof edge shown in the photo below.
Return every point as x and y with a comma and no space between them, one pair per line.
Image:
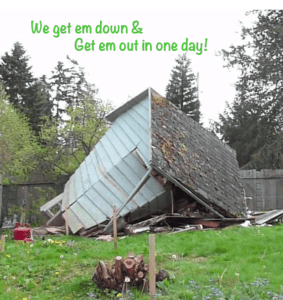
112,116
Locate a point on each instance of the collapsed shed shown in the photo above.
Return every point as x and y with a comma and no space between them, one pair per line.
152,156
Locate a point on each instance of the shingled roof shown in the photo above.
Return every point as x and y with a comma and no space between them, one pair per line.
150,133
183,149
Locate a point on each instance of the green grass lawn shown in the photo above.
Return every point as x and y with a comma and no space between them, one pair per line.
235,263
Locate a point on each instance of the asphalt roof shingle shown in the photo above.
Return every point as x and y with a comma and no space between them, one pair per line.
195,157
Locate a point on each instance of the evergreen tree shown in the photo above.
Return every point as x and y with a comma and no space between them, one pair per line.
181,89
40,104
254,121
60,84
25,92
16,76
69,86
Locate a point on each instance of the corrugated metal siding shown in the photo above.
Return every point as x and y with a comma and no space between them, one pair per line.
111,172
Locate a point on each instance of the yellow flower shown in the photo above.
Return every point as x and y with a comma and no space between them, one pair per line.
56,273
8,255
28,252
25,298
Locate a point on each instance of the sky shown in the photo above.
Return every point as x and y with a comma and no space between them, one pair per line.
120,75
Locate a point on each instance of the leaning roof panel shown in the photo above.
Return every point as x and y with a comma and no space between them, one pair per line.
195,157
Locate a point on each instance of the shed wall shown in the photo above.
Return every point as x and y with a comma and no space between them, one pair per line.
112,171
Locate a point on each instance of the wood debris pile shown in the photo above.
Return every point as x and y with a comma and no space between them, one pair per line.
44,230
131,271
185,214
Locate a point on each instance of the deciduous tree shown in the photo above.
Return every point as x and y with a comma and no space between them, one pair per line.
67,143
18,145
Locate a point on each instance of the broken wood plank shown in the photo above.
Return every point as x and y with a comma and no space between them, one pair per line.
183,230
269,216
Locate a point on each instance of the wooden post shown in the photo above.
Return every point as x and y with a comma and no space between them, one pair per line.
115,226
152,284
67,221
2,243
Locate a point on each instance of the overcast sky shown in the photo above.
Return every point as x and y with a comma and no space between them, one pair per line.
123,74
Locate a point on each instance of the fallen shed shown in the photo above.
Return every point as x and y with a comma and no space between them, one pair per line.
153,159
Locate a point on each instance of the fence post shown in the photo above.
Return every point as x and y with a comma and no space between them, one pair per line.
2,243
152,284
115,226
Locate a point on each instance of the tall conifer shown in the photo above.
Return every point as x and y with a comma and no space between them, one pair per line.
182,90
25,91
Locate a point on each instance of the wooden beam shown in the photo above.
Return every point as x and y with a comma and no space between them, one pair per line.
144,179
52,203
67,220
49,213
57,215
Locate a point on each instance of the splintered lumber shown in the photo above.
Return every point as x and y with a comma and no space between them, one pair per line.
132,269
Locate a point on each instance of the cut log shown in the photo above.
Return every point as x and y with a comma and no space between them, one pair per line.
129,267
116,270
113,277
